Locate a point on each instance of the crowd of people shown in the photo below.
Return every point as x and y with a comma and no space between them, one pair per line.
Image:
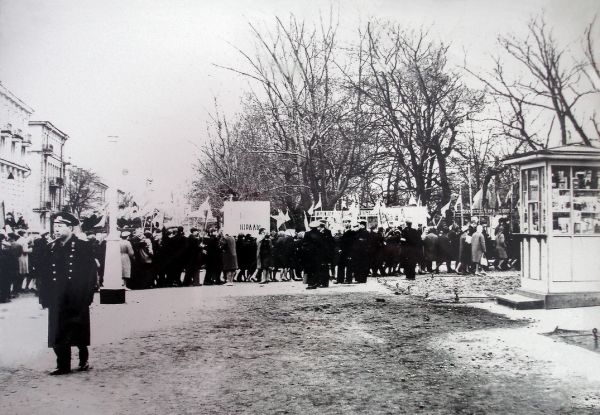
168,257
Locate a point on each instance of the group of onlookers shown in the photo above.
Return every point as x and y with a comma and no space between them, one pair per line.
168,257
20,256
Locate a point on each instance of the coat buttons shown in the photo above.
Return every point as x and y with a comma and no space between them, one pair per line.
53,279
54,272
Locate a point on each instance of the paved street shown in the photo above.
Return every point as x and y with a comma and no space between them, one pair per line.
280,349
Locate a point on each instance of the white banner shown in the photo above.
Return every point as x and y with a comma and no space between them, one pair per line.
246,217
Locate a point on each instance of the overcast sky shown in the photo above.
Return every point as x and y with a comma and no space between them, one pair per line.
143,70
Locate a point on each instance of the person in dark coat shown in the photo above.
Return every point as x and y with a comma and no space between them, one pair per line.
412,248
376,247
344,271
67,290
444,251
214,263
282,255
264,257
329,251
360,253
430,250
142,267
229,257
314,252
392,251
172,256
38,257
16,251
193,259
7,267
297,260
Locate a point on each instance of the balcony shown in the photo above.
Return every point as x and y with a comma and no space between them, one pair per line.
45,207
7,128
48,149
56,182
27,140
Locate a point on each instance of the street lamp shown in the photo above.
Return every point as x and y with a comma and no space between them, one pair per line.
112,291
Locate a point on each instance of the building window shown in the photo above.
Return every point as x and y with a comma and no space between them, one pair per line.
575,200
534,209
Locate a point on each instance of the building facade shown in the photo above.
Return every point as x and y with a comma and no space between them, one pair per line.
48,171
15,142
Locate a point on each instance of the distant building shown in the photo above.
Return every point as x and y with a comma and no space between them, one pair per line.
48,165
14,144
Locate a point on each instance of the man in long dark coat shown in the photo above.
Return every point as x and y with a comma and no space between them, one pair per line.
412,248
314,253
360,254
344,272
67,290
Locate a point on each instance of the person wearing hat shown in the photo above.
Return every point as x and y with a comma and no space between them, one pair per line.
329,253
360,254
126,250
314,253
344,271
412,248
67,291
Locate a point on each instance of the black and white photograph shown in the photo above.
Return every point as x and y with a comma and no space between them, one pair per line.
299,207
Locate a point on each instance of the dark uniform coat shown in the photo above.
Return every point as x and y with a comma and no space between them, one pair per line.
67,290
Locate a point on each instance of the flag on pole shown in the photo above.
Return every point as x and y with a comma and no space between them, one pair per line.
287,216
279,218
498,201
478,199
446,207
412,201
509,195
311,209
318,205
306,222
158,220
458,202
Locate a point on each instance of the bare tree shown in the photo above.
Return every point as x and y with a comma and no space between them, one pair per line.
309,122
82,192
592,65
225,169
545,99
421,105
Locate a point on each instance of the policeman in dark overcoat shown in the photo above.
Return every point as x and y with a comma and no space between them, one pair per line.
67,290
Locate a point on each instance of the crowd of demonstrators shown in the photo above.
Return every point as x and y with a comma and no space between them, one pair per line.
170,258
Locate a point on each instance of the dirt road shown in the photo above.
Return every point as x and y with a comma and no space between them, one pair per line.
306,354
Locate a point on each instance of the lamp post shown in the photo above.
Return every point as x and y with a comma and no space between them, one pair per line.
112,291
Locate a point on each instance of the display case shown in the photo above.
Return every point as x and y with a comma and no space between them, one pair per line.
575,200
560,224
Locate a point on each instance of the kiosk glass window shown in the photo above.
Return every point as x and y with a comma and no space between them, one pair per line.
575,200
533,211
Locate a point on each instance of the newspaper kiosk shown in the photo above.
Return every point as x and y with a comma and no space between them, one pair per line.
559,209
